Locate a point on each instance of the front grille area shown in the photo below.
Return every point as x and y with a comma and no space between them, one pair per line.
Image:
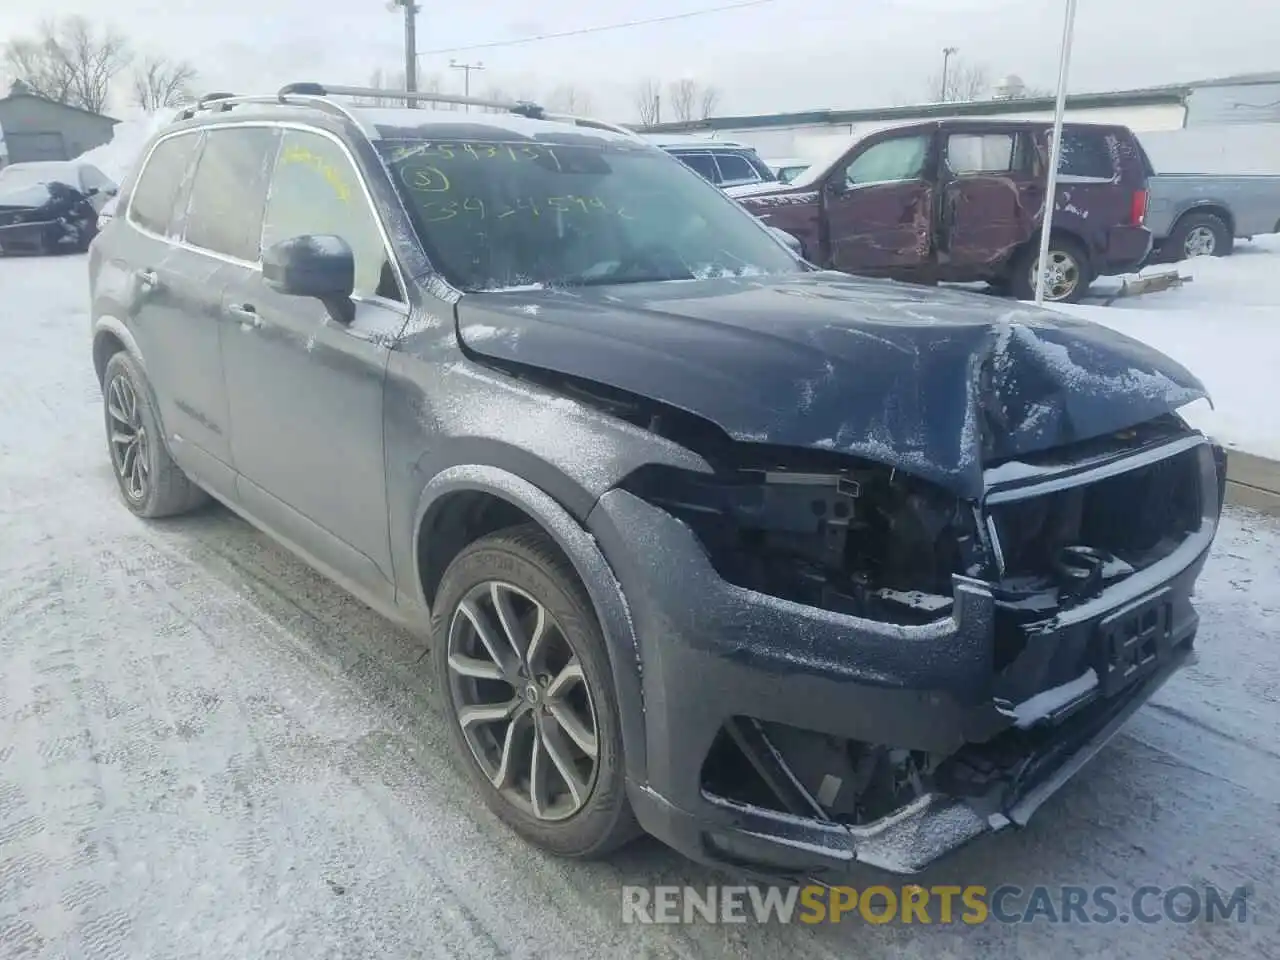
1135,518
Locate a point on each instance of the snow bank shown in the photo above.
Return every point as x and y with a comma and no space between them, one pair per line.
1223,328
117,158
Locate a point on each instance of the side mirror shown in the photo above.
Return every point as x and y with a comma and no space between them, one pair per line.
837,185
320,266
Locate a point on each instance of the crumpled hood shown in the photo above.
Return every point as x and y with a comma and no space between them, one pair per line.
933,382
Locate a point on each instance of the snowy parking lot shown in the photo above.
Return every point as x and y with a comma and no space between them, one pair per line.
208,750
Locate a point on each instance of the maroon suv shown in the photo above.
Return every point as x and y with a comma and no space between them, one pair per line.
962,200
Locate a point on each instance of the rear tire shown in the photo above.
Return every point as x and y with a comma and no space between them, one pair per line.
1072,271
516,723
150,483
1198,235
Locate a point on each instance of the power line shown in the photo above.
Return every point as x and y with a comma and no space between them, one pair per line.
582,31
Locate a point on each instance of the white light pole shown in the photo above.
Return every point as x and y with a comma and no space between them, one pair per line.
1055,149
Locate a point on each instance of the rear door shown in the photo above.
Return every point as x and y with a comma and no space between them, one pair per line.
172,293
991,199
879,206
219,246
306,390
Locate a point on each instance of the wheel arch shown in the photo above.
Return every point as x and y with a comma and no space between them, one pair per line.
494,496
1213,207
110,336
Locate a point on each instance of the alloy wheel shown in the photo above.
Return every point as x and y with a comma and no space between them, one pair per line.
1062,275
1200,242
522,701
127,437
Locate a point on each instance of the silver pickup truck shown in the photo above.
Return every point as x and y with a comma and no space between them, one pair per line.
1196,215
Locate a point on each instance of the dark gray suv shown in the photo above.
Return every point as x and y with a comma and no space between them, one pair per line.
789,568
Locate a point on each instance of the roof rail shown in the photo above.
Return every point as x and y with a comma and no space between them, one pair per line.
317,95
523,108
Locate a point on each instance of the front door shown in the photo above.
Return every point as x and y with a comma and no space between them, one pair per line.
305,389
990,201
879,207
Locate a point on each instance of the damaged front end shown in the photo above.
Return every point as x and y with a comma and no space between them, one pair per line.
1063,595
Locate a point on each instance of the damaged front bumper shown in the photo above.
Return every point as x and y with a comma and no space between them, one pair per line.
717,657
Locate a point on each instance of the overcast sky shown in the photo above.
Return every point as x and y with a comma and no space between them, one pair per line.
780,55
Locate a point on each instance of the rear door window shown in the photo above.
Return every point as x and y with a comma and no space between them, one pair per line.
229,192
701,163
735,168
1085,154
160,185
317,190
969,153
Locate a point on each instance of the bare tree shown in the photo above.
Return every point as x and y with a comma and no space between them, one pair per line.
648,100
691,100
160,82
708,102
69,61
569,99
965,82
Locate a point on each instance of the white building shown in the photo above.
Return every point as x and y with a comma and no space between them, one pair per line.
1244,101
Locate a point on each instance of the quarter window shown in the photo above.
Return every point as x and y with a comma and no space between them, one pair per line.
1085,155
224,214
316,190
702,164
901,158
734,168
160,184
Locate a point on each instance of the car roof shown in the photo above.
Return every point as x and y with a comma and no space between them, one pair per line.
669,141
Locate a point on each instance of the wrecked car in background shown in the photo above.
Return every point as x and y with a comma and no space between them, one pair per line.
962,201
51,206
789,568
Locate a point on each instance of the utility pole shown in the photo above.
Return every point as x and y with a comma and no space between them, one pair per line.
466,69
410,46
947,54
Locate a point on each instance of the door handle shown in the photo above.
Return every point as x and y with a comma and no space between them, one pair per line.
246,313
147,279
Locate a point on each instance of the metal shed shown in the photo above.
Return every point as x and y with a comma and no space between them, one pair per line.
35,128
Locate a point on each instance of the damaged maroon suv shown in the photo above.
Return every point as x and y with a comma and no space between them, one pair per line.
789,568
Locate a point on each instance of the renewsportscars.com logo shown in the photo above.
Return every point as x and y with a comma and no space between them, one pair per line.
971,905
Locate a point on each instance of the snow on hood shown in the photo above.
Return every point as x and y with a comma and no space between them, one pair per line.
935,383
118,157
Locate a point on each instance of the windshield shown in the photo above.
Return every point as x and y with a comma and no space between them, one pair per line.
495,215
23,175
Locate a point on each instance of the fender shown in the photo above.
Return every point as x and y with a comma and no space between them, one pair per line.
593,570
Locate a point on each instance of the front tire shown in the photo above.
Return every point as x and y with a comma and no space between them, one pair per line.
528,696
150,483
1070,271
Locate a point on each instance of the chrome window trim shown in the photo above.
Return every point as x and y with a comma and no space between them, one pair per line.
304,127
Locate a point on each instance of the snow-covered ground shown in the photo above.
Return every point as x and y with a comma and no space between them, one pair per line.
1224,326
207,750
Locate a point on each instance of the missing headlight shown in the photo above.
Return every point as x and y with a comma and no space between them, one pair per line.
860,541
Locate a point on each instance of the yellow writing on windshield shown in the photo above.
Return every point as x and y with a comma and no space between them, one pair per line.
331,173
